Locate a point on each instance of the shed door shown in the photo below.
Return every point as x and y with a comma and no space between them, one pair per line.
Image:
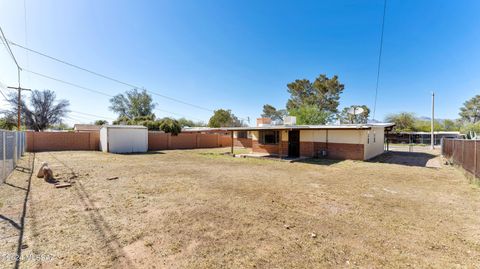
294,143
120,140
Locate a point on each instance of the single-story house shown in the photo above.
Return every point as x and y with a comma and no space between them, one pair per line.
86,128
349,141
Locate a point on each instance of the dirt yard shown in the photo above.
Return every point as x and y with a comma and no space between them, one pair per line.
202,209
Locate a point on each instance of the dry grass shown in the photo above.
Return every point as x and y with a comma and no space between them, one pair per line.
200,209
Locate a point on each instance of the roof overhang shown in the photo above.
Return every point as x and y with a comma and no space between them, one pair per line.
295,127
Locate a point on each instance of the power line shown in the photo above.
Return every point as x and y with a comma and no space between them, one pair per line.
90,89
5,42
68,83
1,92
379,58
178,114
107,77
4,96
92,115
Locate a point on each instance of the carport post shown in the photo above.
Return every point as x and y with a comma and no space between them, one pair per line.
231,135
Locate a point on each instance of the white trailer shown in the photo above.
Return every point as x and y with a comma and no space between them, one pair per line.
123,138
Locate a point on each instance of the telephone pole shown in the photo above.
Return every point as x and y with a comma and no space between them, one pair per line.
19,99
432,123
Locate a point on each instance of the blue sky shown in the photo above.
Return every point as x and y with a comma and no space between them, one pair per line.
240,55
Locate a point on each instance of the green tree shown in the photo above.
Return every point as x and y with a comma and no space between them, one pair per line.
451,125
404,121
133,104
271,112
349,118
471,129
101,122
169,125
189,123
224,118
426,126
8,122
44,110
310,115
470,112
323,93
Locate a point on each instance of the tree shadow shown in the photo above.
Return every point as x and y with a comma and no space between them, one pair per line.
103,230
419,159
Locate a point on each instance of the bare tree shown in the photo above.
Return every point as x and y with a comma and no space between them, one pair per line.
43,112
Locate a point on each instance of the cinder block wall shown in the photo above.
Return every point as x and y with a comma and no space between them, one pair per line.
54,141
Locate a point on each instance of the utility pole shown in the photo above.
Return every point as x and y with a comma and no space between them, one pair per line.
432,124
19,99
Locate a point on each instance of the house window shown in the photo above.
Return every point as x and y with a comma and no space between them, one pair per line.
368,137
268,137
374,137
242,134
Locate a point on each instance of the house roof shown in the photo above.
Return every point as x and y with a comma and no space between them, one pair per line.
124,126
86,127
436,132
296,127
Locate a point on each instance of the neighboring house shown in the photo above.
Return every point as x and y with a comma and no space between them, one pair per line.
421,137
86,128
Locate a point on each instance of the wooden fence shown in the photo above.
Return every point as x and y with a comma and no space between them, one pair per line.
462,152
56,141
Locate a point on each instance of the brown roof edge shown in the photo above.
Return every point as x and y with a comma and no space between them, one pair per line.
295,127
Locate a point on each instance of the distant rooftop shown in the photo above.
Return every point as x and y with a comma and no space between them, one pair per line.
86,127
125,126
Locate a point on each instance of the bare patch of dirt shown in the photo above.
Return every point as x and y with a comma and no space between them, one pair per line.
202,209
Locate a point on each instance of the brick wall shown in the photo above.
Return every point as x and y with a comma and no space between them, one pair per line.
341,151
312,149
52,141
260,148
225,141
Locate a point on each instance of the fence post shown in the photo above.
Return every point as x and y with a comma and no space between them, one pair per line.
475,158
4,137
15,157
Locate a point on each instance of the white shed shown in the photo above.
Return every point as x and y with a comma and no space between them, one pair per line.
123,138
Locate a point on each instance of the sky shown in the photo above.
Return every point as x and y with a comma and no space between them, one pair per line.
240,55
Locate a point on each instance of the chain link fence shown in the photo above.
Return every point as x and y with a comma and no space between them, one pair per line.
12,147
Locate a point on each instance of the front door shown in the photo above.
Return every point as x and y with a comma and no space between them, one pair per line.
294,143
